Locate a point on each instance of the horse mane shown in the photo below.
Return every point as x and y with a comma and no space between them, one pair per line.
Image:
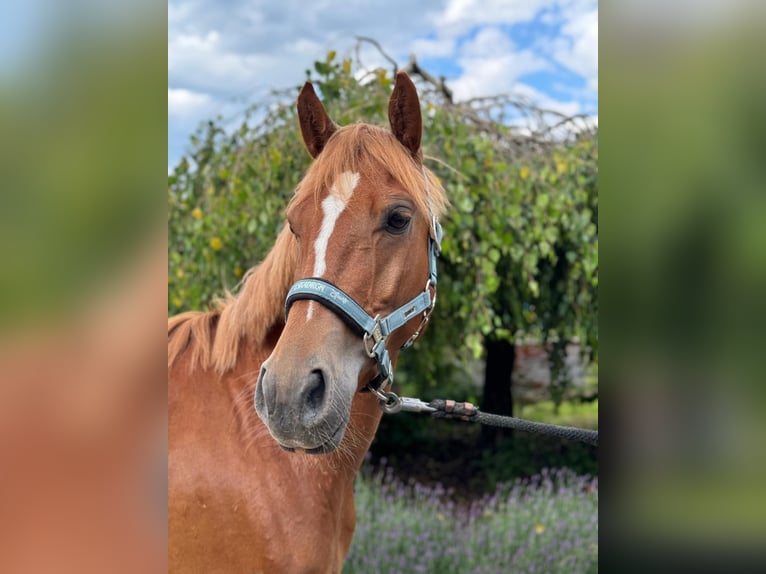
215,338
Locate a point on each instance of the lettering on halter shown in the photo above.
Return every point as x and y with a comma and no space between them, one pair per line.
336,296
409,311
315,285
333,294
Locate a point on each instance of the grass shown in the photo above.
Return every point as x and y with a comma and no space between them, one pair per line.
545,524
573,414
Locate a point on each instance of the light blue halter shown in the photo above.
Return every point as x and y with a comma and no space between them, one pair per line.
375,330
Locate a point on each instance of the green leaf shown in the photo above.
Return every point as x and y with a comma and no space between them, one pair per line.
513,210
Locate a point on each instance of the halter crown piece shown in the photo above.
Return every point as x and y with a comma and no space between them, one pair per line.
375,330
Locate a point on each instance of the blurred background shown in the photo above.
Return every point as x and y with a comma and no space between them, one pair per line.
89,170
684,222
82,283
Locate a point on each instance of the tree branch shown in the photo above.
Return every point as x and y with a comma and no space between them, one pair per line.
361,39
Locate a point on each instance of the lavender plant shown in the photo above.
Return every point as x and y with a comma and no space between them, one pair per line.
545,524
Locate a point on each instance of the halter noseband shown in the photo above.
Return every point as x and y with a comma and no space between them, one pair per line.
375,330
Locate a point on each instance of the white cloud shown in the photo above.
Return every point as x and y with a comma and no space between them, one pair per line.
204,63
463,14
578,48
488,42
184,103
178,13
490,76
492,65
433,47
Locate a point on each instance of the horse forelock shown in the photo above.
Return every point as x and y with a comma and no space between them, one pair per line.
359,148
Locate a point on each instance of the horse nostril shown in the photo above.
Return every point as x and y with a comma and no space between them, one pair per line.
315,388
264,398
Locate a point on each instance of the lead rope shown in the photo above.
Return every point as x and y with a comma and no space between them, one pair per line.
448,409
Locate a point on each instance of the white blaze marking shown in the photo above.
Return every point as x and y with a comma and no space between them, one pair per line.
332,206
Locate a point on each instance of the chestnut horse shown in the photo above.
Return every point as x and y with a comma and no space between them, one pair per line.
273,490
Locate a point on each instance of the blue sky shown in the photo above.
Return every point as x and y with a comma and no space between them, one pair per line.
224,54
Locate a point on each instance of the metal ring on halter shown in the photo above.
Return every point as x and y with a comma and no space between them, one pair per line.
426,316
433,299
368,348
389,402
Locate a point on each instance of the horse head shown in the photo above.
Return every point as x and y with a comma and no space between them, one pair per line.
364,223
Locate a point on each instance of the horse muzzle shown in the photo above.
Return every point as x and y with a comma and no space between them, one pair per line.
301,410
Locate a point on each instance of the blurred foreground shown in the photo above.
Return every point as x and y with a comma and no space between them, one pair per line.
82,288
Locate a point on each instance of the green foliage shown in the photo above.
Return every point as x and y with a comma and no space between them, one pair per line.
572,414
526,455
521,242
440,450
226,204
520,254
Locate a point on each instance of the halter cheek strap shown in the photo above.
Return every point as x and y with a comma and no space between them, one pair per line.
375,330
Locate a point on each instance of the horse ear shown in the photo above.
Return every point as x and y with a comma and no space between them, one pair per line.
316,125
404,114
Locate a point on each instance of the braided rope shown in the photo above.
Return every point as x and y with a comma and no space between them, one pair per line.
467,412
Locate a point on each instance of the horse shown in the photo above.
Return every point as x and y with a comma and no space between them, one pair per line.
273,396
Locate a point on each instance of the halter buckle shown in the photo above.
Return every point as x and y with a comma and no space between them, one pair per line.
376,336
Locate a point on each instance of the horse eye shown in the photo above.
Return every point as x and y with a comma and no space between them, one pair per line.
292,230
397,222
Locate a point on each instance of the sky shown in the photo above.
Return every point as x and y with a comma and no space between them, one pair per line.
225,54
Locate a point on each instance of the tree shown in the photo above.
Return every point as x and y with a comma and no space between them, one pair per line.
520,253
